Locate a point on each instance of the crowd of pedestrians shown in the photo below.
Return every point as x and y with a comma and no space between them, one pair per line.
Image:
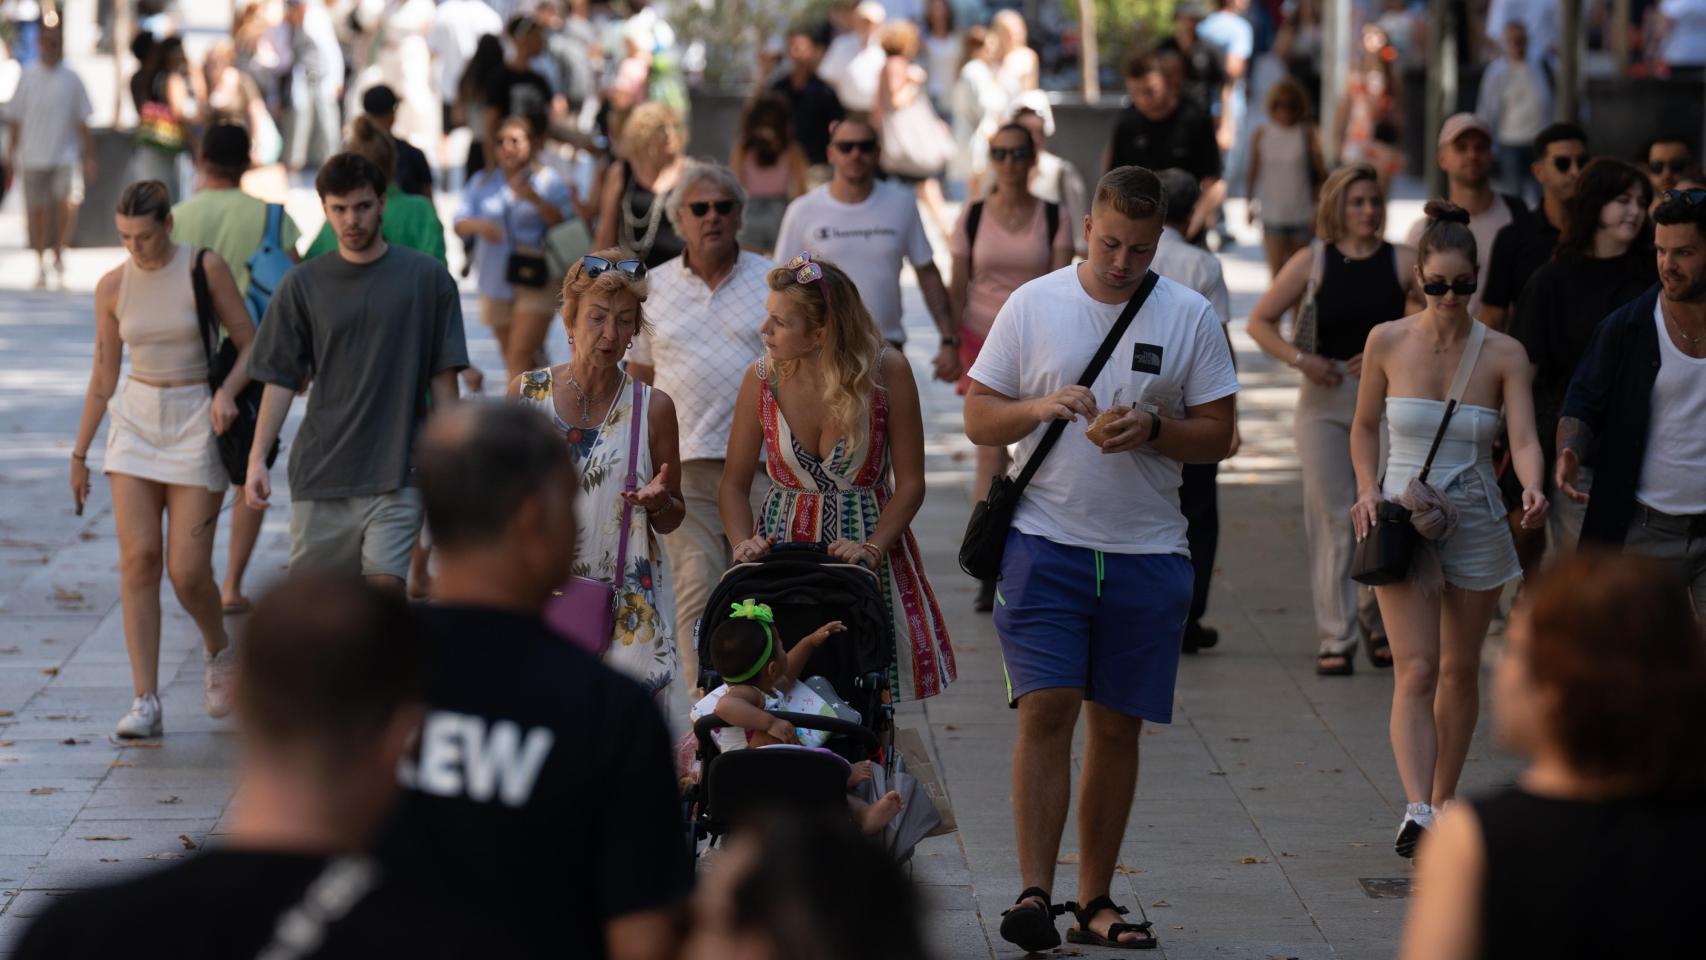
735,381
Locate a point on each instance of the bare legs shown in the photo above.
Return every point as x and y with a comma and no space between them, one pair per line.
49,225
1042,789
930,191
1277,249
245,532
185,554
1436,650
526,337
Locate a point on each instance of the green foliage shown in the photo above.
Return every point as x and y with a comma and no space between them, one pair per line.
734,32
1124,25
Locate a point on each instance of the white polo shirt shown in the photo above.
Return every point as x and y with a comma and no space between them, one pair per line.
701,343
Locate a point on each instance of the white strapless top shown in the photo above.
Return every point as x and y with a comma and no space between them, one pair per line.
1466,449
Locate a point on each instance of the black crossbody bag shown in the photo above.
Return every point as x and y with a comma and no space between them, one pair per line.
986,534
234,443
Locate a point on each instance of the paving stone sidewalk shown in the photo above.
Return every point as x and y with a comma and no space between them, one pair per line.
1261,812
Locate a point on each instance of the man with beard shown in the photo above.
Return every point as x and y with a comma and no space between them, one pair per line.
1524,245
1636,404
375,327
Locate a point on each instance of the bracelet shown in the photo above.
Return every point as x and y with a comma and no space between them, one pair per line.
80,456
1154,426
951,340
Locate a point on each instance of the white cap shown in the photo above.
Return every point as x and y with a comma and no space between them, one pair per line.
871,10
1035,101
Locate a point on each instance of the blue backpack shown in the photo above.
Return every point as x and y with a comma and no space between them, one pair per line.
270,262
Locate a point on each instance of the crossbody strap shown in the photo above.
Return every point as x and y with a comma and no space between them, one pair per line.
1106,350
1459,383
340,888
204,312
1317,267
633,480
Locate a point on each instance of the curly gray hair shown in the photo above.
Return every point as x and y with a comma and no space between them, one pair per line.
691,175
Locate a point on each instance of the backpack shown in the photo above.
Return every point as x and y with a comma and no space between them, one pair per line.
268,265
1051,213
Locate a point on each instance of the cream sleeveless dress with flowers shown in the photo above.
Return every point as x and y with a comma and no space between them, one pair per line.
644,644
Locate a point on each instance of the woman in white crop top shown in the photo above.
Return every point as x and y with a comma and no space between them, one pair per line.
161,455
1437,619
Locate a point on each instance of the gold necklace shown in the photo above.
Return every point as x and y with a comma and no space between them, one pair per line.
586,401
1693,341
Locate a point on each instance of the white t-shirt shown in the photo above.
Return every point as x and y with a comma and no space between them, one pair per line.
49,106
1676,446
456,31
1184,262
1041,341
1485,226
869,240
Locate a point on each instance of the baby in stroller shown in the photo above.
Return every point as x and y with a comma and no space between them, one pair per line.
757,675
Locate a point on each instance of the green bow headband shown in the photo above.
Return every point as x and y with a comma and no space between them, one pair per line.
760,613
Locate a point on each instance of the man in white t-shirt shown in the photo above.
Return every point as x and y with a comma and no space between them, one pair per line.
49,121
853,64
1466,156
869,228
704,308
1096,577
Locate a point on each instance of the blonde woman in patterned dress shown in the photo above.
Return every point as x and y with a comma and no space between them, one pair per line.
835,412
591,401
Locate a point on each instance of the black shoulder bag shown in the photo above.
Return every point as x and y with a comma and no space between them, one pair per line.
235,442
1383,557
986,534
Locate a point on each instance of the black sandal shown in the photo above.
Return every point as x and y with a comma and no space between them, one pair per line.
1084,935
1029,926
1345,668
1380,653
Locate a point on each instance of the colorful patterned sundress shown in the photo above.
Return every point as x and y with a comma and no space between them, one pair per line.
814,500
644,644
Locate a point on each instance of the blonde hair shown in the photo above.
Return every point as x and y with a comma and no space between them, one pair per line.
851,345
1330,212
647,128
577,285
1132,192
900,39
368,141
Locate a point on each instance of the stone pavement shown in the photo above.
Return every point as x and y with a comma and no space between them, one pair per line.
1261,812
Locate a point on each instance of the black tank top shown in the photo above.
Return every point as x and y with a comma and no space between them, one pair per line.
1574,878
645,227
1354,296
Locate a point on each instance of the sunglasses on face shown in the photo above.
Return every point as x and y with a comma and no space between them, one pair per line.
1563,164
593,267
1462,288
1658,167
1019,154
1691,197
805,270
855,146
702,207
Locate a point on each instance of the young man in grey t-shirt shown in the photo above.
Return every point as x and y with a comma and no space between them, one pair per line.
375,327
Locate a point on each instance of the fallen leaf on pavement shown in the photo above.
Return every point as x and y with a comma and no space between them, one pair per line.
1068,858
105,837
171,800
141,745
73,742
188,843
8,650
1122,868
5,713
51,671
110,860
1160,903
42,791
1253,860
1239,739
121,763
164,856
62,595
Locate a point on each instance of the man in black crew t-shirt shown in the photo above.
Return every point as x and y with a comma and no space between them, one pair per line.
1525,244
328,697
543,788
1159,131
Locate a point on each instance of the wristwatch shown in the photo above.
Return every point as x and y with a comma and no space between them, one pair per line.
950,340
1154,426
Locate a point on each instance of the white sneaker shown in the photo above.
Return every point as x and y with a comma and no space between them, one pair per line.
218,676
143,720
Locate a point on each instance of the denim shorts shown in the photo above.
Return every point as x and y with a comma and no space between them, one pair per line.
1109,624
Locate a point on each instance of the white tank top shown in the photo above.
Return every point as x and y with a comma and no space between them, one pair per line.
157,320
1282,184
1676,444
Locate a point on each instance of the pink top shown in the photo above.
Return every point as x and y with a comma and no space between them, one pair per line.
1003,261
771,181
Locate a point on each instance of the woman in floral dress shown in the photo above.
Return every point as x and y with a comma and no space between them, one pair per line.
836,415
591,401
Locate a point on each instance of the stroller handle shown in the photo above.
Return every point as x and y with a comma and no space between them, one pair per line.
705,726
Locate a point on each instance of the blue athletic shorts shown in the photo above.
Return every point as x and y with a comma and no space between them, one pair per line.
1109,624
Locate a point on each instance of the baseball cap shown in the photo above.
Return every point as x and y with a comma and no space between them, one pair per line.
379,99
1459,124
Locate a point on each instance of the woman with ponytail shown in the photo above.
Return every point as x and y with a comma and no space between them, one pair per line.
1436,618
835,414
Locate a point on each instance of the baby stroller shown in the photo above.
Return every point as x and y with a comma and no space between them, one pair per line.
805,588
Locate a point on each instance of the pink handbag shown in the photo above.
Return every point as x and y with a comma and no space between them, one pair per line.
583,610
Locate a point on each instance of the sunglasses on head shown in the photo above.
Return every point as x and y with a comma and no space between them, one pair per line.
805,270
1021,154
594,266
855,146
1690,197
1673,165
702,207
1563,164
1462,288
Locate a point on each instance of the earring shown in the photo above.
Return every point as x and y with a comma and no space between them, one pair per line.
571,339
630,343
